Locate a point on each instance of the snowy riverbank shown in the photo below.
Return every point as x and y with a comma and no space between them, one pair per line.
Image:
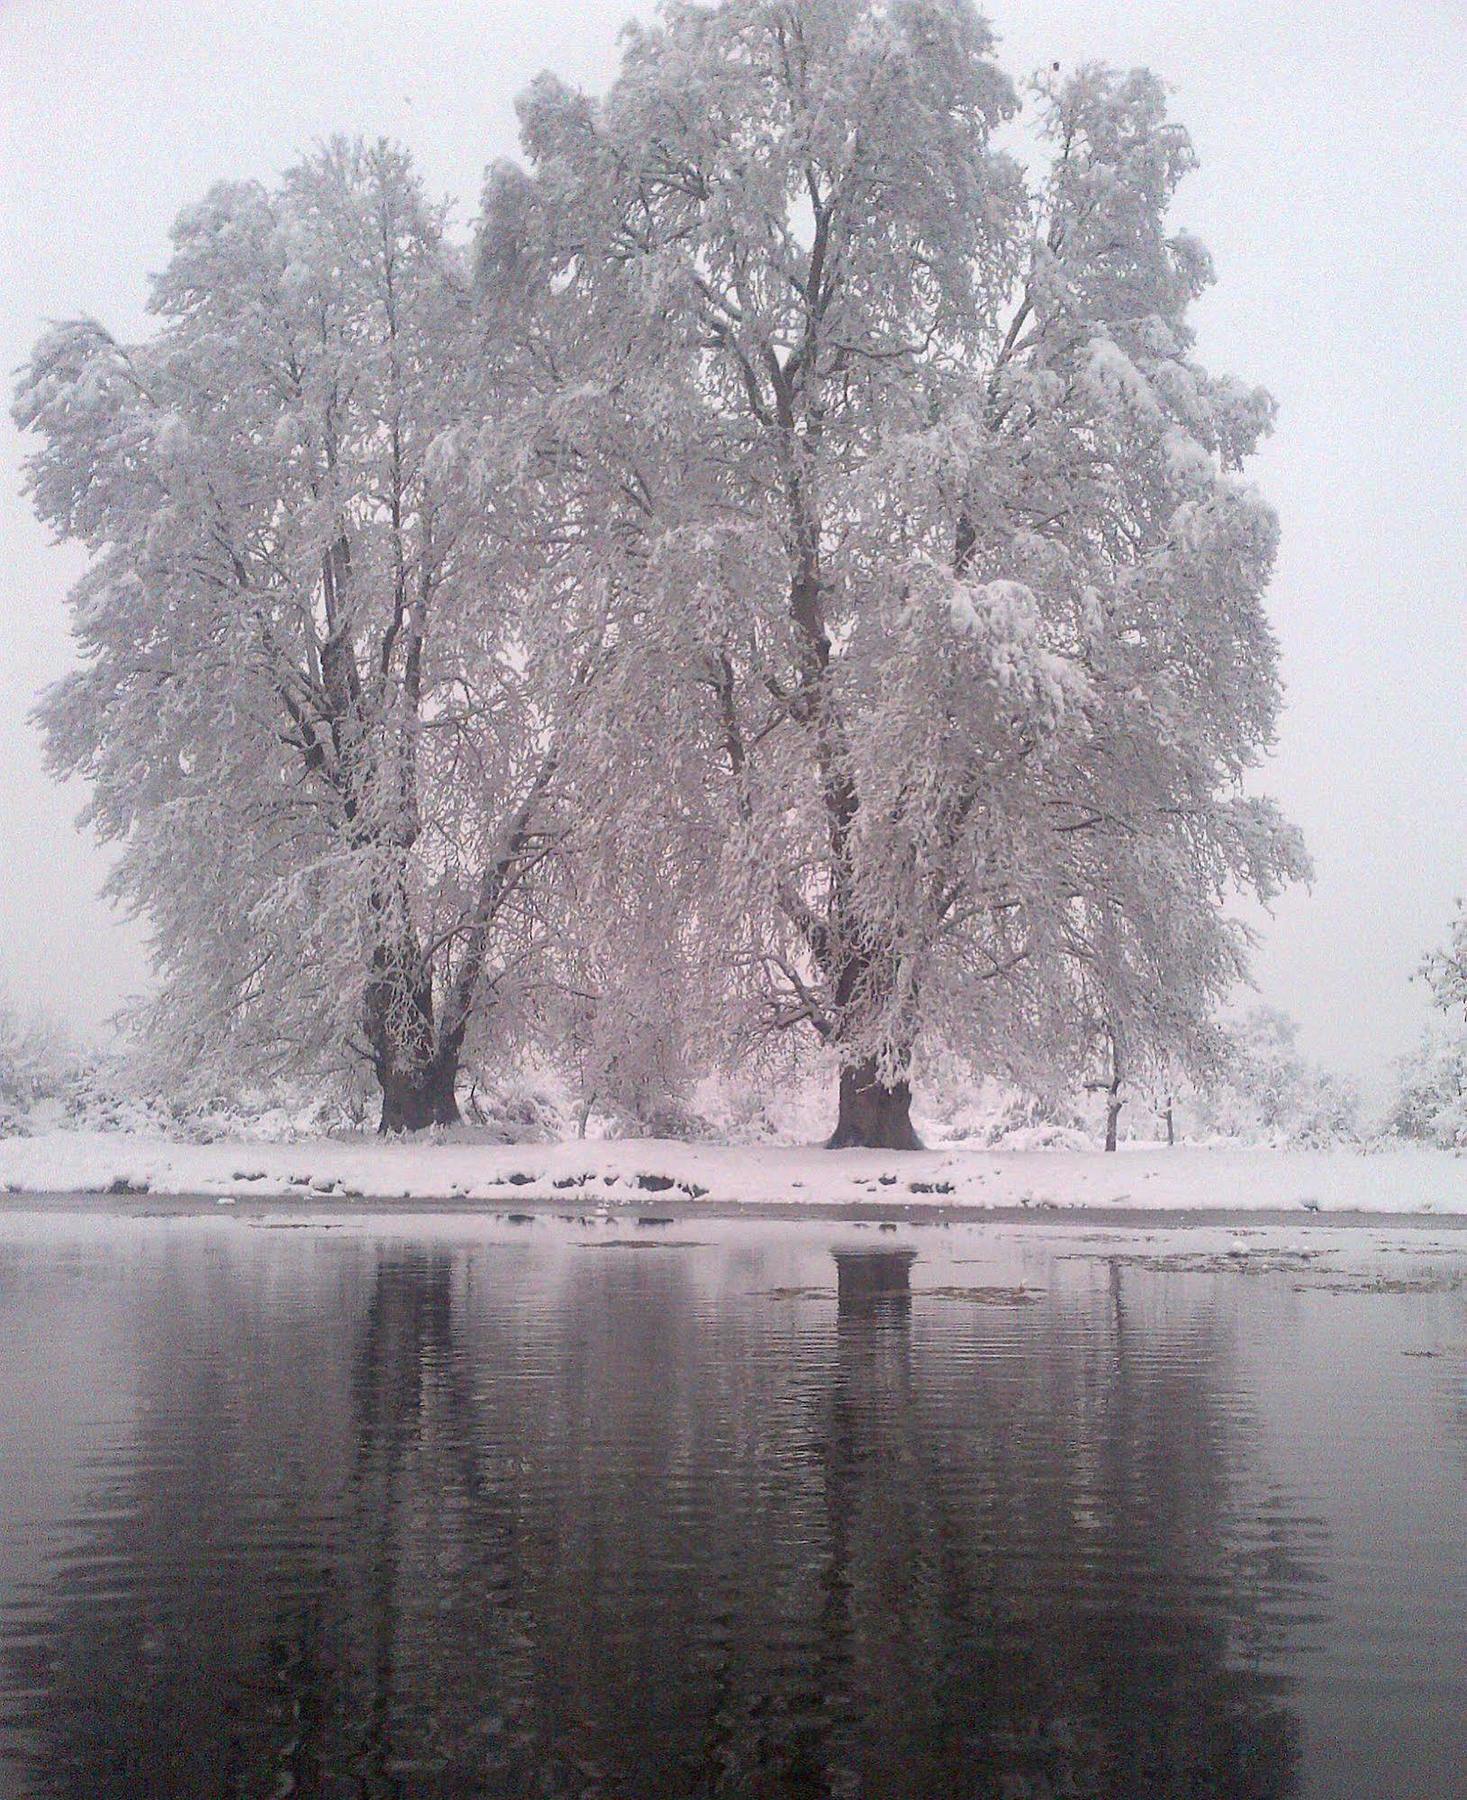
621,1172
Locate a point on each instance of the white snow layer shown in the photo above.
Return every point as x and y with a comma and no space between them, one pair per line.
603,1172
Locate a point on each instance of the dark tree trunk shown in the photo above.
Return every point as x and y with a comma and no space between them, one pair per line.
873,1116
1112,1118
415,1098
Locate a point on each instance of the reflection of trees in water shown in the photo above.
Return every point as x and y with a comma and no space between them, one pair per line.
295,1582
1452,1388
151,1667
485,1531
1051,1611
658,1482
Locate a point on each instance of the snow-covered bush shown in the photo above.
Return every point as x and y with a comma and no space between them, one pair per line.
106,1094
781,1097
997,1114
628,1060
524,1108
37,1061
120,1091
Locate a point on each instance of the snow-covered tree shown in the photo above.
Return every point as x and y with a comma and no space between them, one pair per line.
1261,1089
1431,1100
321,717
952,631
1445,971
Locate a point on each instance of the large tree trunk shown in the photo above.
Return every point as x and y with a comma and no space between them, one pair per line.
416,1069
417,1097
873,1115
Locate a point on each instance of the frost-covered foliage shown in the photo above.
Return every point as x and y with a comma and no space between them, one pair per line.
626,1050
953,647
318,708
1431,1100
1264,1091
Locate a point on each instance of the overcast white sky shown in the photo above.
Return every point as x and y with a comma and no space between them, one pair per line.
1332,192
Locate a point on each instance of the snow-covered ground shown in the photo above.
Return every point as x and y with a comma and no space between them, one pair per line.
613,1173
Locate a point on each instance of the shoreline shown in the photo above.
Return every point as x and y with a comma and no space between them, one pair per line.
649,1213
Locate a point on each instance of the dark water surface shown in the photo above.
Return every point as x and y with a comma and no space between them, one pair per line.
435,1506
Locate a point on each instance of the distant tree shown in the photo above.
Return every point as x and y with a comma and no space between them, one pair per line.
322,712
952,586
1263,1089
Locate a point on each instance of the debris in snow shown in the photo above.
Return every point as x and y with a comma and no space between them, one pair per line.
984,1296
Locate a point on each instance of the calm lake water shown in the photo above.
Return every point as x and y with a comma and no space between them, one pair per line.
440,1506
